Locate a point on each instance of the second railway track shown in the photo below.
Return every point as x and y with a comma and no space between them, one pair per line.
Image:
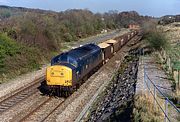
41,112
19,95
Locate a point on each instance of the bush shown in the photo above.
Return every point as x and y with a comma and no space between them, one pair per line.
157,40
28,27
5,14
68,37
148,27
8,47
16,59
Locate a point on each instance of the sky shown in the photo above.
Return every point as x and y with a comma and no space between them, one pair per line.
144,7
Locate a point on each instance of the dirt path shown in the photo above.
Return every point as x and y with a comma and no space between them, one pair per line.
155,73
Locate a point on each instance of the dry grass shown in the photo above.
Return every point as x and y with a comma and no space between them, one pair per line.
171,30
144,110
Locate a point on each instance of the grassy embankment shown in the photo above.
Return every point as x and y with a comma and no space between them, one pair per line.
16,58
157,40
172,32
144,110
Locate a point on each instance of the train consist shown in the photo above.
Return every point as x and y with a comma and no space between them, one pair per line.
70,69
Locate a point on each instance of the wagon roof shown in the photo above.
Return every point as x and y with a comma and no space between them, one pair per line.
103,45
111,41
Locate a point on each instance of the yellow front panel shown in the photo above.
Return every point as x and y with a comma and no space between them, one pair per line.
59,75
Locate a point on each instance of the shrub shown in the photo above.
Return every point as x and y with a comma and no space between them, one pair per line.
5,13
15,58
8,47
157,40
12,33
28,27
68,37
148,27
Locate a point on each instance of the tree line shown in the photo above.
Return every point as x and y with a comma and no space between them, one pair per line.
36,35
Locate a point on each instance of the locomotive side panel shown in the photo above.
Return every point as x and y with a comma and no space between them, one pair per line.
90,62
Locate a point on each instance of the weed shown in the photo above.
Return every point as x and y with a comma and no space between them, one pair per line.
144,110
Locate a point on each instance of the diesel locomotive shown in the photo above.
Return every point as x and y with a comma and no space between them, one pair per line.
70,69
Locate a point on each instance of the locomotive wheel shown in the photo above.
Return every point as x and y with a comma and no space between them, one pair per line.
77,86
71,90
59,91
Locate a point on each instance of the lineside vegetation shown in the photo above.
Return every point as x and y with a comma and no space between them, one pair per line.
155,39
144,110
31,37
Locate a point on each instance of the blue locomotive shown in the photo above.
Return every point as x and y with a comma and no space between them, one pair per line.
69,69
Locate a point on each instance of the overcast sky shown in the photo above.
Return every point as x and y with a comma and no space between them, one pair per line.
144,7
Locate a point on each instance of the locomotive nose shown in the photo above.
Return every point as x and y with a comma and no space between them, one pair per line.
59,75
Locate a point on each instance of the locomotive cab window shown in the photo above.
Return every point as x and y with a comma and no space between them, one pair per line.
63,58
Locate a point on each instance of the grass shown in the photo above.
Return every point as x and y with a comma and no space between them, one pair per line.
144,110
172,50
68,45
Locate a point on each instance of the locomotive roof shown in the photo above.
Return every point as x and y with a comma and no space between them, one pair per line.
74,55
83,51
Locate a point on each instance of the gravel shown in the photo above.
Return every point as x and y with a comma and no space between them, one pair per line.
44,111
116,104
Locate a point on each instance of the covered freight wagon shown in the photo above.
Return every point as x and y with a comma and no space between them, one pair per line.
106,51
115,45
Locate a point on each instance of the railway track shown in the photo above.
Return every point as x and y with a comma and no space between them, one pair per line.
19,95
52,111
44,110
